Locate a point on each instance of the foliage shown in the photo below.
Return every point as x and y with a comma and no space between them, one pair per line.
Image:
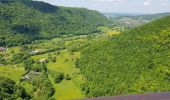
136,61
11,72
10,91
30,64
19,57
67,77
25,20
2,59
43,89
58,76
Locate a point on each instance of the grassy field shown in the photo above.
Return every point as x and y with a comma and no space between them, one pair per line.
28,87
13,49
64,62
12,73
10,51
108,32
39,57
67,89
112,32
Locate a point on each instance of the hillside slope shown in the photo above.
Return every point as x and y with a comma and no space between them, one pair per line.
151,16
25,20
135,20
133,62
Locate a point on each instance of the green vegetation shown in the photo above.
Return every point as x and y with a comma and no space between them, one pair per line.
67,90
58,77
10,91
27,86
37,78
49,64
136,61
65,77
63,53
54,70
12,73
25,20
43,88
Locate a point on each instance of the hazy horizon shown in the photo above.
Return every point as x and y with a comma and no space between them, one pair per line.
117,6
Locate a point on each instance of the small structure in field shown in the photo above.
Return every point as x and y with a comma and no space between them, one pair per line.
43,60
2,49
34,52
30,75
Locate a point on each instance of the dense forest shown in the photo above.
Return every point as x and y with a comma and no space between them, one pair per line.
133,62
25,20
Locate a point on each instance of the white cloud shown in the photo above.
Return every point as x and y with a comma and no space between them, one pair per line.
147,2
164,2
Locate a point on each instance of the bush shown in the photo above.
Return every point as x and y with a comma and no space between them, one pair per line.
10,91
67,77
43,87
57,76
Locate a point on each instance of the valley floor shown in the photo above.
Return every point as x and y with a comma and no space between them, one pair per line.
61,54
67,89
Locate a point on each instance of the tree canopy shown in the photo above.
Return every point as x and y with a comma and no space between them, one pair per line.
10,91
136,61
25,20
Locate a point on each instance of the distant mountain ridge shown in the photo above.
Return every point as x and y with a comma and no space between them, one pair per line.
151,16
27,20
108,15
133,20
134,14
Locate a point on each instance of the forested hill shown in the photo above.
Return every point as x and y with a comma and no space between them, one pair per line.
25,20
151,16
131,21
133,62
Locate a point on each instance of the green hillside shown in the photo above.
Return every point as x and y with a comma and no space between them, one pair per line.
25,20
133,62
151,16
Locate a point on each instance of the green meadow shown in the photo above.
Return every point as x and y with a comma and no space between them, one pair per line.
65,63
12,73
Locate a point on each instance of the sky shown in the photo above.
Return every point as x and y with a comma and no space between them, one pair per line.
117,6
